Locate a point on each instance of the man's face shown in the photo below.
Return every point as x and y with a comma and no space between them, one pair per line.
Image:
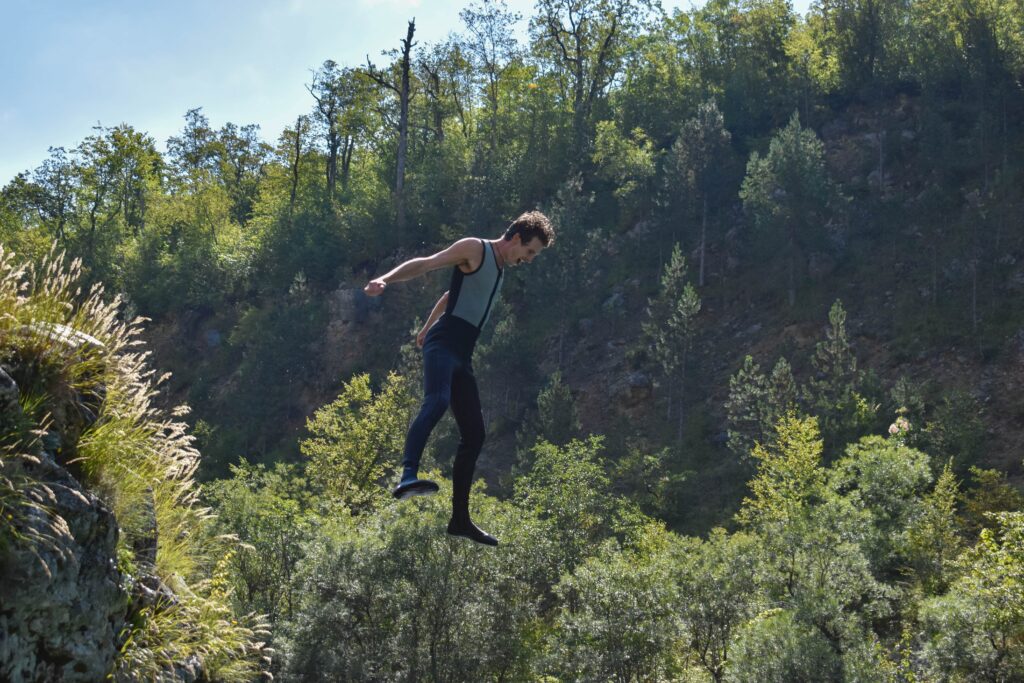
524,253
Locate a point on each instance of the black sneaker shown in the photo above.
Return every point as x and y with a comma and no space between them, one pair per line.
417,487
471,531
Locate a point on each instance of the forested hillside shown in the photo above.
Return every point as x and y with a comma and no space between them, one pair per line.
783,315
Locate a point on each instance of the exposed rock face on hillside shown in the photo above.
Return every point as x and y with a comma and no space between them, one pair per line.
64,601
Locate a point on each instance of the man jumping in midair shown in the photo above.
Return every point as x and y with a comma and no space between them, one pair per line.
448,338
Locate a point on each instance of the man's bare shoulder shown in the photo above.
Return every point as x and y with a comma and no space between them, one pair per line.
466,243
465,253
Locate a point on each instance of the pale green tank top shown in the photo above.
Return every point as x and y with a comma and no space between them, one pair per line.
472,295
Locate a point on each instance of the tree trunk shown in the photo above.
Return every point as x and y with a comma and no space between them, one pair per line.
791,266
935,275
974,296
668,414
295,166
438,108
703,238
333,144
492,96
682,412
881,162
403,131
346,159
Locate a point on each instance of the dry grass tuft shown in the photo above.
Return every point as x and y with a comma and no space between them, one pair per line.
82,371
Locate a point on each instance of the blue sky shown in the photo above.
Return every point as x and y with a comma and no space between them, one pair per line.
68,64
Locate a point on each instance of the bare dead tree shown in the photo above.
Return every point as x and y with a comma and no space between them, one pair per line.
402,90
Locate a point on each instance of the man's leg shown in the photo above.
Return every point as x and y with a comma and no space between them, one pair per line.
438,365
465,402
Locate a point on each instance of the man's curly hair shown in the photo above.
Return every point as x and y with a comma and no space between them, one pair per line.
529,225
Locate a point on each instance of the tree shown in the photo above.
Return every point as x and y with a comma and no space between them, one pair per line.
656,89
617,620
811,563
568,489
974,631
778,647
445,136
386,597
789,195
557,416
718,594
934,537
493,47
782,392
756,403
96,181
650,479
888,481
744,408
20,233
340,115
789,474
355,438
990,492
700,162
291,144
244,158
118,175
435,66
499,365
194,152
52,192
572,263
775,647
834,394
326,90
270,512
585,40
956,428
401,86
863,39
965,44
671,327
736,50
628,163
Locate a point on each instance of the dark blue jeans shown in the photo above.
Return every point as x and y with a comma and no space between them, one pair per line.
448,382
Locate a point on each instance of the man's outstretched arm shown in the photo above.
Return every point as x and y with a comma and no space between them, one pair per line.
432,318
460,253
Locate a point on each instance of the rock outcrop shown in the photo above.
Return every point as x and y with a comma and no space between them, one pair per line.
63,602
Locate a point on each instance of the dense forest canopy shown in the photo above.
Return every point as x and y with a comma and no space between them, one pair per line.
783,314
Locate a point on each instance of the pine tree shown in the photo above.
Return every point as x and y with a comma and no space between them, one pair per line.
748,391
699,163
934,539
834,394
672,326
557,417
790,195
789,476
756,404
782,394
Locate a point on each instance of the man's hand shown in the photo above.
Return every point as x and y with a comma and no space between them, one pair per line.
375,287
